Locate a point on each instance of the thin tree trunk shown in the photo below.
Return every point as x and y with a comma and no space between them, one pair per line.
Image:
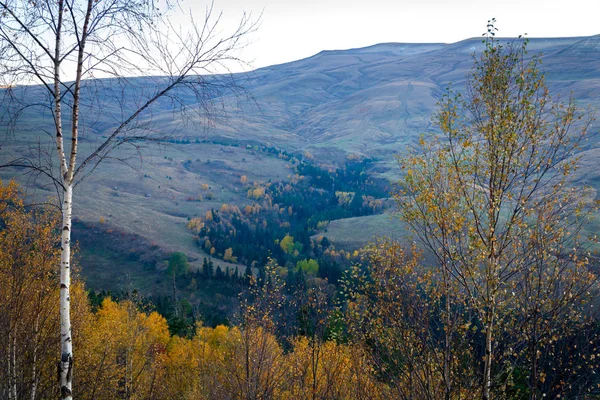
34,377
487,369
315,366
66,344
12,367
491,281
65,365
68,173
247,351
448,336
447,353
534,376
534,358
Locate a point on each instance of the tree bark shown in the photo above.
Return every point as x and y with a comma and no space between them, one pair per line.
66,345
487,369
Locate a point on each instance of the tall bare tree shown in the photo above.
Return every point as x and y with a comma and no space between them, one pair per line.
63,45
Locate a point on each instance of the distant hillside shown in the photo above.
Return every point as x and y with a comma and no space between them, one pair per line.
369,101
376,99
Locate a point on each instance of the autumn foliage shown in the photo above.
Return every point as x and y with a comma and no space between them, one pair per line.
396,328
491,201
125,352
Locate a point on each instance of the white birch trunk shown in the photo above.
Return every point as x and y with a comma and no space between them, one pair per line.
66,345
34,377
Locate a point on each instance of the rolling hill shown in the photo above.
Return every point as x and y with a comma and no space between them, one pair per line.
371,101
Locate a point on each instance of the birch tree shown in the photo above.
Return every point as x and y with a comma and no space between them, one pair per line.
63,45
490,199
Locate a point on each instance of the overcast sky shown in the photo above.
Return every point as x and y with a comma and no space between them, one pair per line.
293,29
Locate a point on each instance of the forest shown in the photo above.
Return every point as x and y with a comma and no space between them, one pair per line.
283,216
494,296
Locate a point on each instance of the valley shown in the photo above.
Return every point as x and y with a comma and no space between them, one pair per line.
336,106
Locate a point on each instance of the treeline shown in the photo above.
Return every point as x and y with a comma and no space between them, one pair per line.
208,294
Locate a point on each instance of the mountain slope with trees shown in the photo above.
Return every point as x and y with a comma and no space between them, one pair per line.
369,102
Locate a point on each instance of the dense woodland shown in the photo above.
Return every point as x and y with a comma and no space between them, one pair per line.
379,334
504,309
282,216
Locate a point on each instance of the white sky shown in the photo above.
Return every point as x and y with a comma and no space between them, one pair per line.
294,29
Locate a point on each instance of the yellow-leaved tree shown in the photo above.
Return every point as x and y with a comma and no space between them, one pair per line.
491,201
29,304
29,295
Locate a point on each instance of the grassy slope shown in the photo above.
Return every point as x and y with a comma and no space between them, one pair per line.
352,233
373,101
